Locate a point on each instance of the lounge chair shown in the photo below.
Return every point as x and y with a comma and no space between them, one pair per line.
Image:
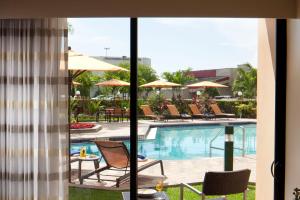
175,114
148,113
195,111
218,113
116,157
221,183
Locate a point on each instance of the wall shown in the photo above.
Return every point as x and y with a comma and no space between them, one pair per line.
293,109
265,110
156,8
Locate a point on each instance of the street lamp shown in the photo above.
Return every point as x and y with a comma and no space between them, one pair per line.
240,93
77,94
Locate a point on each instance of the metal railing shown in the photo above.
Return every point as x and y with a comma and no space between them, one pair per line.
243,149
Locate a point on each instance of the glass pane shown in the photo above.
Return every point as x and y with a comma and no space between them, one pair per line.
183,125
99,149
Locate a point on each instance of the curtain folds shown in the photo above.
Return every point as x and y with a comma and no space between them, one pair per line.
33,109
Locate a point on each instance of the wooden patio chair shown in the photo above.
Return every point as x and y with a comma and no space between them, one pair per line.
174,113
118,114
149,113
221,183
218,113
196,113
116,157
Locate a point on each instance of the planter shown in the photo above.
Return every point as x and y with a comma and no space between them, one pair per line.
83,127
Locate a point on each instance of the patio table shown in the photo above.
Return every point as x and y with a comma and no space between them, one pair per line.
94,159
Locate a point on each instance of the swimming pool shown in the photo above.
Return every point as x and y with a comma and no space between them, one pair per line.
188,142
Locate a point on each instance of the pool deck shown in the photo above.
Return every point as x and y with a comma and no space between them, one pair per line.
121,130
177,171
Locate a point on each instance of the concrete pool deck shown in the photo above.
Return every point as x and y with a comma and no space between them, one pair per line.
177,171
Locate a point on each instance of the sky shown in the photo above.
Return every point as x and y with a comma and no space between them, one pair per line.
171,43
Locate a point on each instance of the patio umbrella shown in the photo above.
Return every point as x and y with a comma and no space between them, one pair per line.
75,83
113,83
81,63
206,84
160,84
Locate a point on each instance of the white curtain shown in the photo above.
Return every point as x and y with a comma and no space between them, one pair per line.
33,109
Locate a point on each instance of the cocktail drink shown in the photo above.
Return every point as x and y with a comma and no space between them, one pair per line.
160,185
83,152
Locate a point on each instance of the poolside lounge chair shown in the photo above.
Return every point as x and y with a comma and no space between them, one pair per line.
221,183
175,114
149,113
195,111
218,113
117,158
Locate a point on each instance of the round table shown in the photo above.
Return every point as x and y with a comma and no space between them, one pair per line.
94,159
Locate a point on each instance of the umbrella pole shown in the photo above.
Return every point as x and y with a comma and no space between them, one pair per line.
77,73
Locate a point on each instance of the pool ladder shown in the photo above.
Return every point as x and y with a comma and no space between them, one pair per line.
243,149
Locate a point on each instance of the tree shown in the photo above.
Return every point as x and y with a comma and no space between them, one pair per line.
246,81
70,28
146,74
87,80
211,92
181,76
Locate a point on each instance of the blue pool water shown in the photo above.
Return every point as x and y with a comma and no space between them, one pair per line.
188,142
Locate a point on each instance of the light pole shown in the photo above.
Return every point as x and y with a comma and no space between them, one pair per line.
240,94
228,149
106,49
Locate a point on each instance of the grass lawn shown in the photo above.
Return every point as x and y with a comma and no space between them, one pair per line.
173,193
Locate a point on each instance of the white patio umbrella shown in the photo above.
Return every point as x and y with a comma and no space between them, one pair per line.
80,63
160,84
206,84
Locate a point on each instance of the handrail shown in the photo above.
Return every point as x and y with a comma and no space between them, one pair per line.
212,140
244,140
243,149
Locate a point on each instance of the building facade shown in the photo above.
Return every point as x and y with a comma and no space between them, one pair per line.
225,76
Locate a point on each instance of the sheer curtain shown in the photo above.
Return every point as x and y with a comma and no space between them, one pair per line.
33,109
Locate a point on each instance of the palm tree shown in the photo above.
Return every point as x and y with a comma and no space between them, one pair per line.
246,81
181,76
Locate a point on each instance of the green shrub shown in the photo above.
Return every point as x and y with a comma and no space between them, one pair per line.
156,103
86,108
181,105
243,108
